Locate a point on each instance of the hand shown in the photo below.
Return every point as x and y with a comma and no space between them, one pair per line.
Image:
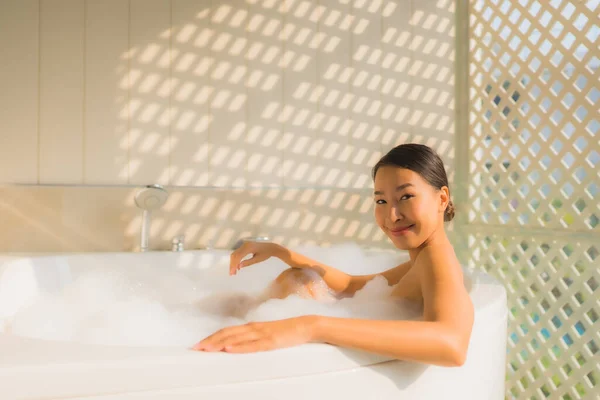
260,252
260,336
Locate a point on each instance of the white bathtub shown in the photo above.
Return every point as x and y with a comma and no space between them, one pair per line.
43,369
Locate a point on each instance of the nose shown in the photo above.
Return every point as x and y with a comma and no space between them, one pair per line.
395,214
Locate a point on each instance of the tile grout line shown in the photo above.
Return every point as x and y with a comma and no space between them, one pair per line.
39,93
169,177
84,94
128,107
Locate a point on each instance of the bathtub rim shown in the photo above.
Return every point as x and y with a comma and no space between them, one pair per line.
44,357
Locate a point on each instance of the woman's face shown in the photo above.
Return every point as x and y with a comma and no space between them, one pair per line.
407,208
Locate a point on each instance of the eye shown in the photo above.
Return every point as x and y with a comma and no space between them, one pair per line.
406,197
380,201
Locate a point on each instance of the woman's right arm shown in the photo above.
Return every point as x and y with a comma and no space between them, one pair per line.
337,280
343,284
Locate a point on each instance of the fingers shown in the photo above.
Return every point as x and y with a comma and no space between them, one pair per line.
256,258
239,339
234,268
209,342
237,259
229,338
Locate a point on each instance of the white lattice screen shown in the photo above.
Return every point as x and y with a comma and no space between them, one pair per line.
534,173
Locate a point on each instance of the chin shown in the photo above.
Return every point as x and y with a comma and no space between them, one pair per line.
402,247
402,244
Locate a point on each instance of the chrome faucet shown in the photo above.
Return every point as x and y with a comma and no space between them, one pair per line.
149,198
177,243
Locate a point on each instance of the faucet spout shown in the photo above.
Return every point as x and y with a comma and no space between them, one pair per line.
149,198
145,235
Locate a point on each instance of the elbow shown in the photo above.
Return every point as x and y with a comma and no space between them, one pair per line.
458,344
459,357
458,350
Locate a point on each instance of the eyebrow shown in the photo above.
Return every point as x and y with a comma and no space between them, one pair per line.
397,189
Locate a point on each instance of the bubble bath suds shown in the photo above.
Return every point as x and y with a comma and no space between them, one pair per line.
140,306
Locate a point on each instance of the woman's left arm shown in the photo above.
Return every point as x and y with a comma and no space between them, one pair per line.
441,338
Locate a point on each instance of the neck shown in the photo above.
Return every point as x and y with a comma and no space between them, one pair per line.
438,237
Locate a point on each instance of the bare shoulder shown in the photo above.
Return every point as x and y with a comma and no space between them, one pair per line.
441,263
444,294
396,274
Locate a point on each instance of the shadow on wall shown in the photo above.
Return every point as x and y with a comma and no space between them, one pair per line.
290,101
292,93
218,218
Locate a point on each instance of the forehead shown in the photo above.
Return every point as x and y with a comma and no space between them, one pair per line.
396,176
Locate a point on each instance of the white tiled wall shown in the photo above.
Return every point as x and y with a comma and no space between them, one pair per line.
19,91
61,91
225,93
106,132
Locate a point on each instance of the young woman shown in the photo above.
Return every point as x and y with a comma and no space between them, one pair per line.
412,201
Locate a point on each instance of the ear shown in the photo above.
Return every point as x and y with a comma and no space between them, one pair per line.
444,194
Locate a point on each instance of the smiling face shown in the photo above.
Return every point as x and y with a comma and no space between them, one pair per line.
407,208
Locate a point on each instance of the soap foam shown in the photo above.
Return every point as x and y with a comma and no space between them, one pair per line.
170,307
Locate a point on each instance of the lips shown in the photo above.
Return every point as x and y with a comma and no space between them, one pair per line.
399,231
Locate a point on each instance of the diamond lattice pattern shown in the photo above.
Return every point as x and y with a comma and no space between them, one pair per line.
535,153
535,172
554,301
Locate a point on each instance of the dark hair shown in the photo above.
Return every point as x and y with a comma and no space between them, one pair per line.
422,160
